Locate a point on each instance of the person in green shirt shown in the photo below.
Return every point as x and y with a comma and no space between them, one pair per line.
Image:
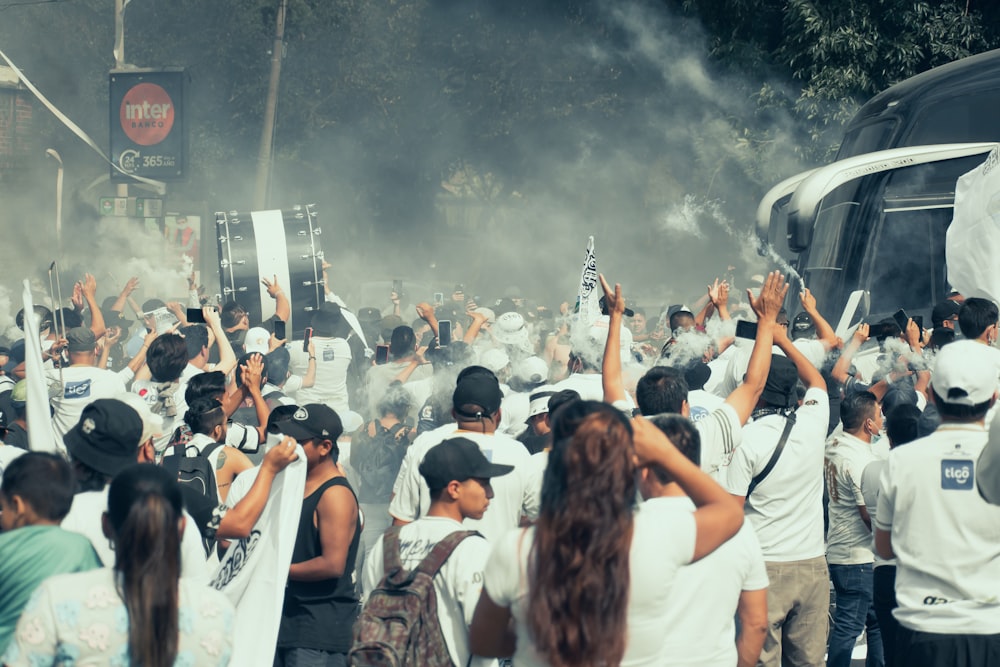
35,495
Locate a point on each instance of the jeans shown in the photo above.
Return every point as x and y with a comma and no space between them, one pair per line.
884,601
854,613
798,601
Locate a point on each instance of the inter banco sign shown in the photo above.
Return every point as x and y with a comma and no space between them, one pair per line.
147,128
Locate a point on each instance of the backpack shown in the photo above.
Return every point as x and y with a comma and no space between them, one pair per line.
195,472
377,459
399,625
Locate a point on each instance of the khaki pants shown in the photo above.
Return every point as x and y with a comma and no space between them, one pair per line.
798,604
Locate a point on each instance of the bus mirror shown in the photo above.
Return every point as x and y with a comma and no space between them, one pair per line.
800,231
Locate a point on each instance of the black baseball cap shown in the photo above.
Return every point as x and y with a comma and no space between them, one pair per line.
107,436
80,339
312,421
479,390
458,459
945,310
803,326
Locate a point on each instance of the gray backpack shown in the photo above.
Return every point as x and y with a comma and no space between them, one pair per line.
399,626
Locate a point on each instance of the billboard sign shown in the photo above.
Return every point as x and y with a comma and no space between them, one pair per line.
147,124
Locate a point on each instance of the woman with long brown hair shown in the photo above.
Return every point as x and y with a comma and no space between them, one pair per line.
140,612
587,585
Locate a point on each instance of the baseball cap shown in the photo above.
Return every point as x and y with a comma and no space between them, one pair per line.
369,314
532,370
538,402
494,359
488,313
312,421
80,339
678,308
257,340
107,436
779,389
479,390
458,459
946,310
19,394
965,373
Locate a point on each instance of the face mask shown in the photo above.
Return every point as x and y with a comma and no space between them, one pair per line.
876,437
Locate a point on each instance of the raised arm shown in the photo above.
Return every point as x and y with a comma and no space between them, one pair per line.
824,332
744,398
227,358
90,294
282,308
839,372
611,367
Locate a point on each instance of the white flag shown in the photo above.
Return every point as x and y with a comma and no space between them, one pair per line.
41,437
973,240
587,301
254,570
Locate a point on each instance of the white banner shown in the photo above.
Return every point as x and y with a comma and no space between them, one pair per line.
588,297
41,437
973,241
254,570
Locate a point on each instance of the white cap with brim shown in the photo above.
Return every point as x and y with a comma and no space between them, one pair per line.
539,400
257,340
965,373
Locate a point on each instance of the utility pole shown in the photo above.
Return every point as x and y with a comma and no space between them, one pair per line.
121,190
59,190
262,185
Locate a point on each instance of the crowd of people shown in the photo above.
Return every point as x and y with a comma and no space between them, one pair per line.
575,489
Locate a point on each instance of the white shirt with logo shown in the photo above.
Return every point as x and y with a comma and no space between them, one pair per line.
848,540
702,605
333,360
721,432
945,536
512,492
81,386
786,509
457,585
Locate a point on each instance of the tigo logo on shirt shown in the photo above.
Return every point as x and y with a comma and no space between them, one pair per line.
79,389
957,475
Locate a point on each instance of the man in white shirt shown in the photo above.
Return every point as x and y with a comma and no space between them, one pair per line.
459,478
333,362
849,544
709,594
476,410
80,383
784,501
932,519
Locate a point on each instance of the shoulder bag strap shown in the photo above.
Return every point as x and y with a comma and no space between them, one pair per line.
789,423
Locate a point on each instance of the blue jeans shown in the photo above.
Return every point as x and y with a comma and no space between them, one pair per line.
854,613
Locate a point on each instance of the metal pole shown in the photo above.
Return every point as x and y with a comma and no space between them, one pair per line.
59,193
262,184
121,189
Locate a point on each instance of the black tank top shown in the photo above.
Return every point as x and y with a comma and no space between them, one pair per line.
308,546
320,614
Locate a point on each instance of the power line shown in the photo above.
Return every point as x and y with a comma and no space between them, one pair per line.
28,2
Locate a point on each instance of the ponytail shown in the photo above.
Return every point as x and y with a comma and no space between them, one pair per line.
145,510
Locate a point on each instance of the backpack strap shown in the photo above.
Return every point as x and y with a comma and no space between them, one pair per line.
789,423
433,561
391,563
172,462
207,452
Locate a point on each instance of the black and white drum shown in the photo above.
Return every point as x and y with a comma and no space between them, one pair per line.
264,244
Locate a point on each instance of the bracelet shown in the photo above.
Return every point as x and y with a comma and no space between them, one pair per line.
312,358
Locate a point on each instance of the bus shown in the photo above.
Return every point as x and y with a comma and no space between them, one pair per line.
870,227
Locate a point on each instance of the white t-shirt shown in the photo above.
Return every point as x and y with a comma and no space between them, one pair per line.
146,389
848,540
702,403
945,536
787,507
81,386
870,484
721,432
536,476
589,386
333,359
662,541
456,585
511,491
85,518
702,605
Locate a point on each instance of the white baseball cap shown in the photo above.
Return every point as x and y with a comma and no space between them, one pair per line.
257,340
965,373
